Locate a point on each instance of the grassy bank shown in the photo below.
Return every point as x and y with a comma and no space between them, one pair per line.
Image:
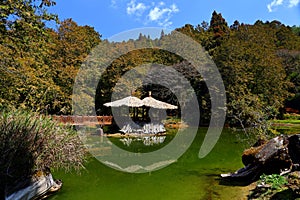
290,124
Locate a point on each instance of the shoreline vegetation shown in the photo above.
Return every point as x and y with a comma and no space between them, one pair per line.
283,185
31,146
273,165
290,124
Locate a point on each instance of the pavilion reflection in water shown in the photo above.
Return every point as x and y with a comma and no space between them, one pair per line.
147,140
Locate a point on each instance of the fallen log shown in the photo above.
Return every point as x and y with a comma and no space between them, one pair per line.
38,186
279,155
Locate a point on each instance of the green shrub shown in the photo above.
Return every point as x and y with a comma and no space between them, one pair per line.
30,142
275,181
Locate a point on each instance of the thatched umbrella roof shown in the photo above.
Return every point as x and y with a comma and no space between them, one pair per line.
129,101
132,101
151,102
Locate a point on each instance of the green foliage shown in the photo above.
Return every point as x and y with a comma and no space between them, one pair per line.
275,181
30,142
126,62
219,32
291,62
259,66
18,17
218,25
253,75
296,30
24,53
39,65
71,46
275,186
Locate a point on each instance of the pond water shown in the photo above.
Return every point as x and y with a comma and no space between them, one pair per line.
190,178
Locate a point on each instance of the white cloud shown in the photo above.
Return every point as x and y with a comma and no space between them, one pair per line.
293,3
113,4
161,14
134,8
161,3
276,3
157,12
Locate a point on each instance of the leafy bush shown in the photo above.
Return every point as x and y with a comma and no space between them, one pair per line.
275,181
30,142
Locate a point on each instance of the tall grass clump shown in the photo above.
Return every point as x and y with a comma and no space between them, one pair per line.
30,142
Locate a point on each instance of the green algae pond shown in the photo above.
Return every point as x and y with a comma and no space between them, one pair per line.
189,178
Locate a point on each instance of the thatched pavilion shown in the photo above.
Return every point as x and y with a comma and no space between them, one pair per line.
154,103
129,101
145,105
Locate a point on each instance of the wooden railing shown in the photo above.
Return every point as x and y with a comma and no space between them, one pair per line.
83,120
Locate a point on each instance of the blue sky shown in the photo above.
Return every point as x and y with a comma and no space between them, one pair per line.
110,17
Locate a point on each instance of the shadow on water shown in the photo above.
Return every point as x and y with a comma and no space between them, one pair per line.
232,182
190,178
